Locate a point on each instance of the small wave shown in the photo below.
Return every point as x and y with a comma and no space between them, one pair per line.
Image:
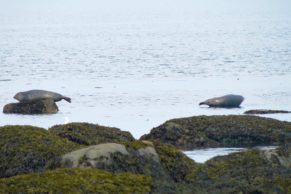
5,80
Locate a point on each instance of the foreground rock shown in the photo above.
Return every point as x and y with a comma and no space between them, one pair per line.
134,157
135,166
266,111
90,134
45,106
220,131
26,149
76,180
251,171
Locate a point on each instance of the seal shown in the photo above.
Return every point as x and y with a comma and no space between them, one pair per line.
227,101
33,95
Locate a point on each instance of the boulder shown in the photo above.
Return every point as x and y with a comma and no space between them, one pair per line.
45,106
220,131
91,134
75,180
251,171
26,149
265,111
136,157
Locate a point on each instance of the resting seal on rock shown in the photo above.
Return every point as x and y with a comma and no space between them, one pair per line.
33,95
227,101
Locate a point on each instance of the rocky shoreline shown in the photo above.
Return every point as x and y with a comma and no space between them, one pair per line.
89,158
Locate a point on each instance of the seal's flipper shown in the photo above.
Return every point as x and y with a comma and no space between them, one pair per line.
67,99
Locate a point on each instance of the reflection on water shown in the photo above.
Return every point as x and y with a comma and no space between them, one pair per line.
202,155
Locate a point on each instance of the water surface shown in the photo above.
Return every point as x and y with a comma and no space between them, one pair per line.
135,64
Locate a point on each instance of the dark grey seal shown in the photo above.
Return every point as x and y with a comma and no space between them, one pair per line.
33,95
227,101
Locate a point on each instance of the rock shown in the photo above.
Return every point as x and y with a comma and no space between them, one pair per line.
77,180
45,106
26,149
220,131
90,134
251,171
265,111
136,157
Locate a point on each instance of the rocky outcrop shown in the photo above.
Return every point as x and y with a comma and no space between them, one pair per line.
266,111
64,166
75,180
90,134
251,171
136,157
45,106
220,131
25,149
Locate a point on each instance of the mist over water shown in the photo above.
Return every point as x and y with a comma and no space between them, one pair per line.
135,64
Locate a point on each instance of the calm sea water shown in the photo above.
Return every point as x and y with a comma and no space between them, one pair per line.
202,155
135,64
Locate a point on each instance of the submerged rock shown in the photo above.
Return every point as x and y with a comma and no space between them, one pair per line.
220,131
75,180
265,111
26,149
45,106
90,134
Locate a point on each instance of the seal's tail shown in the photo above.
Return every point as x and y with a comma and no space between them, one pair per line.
67,99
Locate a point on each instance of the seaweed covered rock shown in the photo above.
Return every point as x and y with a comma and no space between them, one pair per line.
25,149
75,180
176,163
265,111
45,106
221,131
135,157
90,134
251,171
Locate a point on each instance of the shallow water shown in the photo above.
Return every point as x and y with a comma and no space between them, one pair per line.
202,155
134,66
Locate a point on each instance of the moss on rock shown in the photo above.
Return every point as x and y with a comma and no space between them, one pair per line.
90,134
177,164
250,171
75,180
134,157
25,149
221,131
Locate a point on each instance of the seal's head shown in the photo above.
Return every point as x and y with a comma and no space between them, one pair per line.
19,96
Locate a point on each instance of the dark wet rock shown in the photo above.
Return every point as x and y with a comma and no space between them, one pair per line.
90,134
220,131
176,163
251,171
265,111
135,157
63,166
26,149
75,180
45,106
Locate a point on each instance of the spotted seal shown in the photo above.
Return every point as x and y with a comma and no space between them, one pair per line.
227,101
33,95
